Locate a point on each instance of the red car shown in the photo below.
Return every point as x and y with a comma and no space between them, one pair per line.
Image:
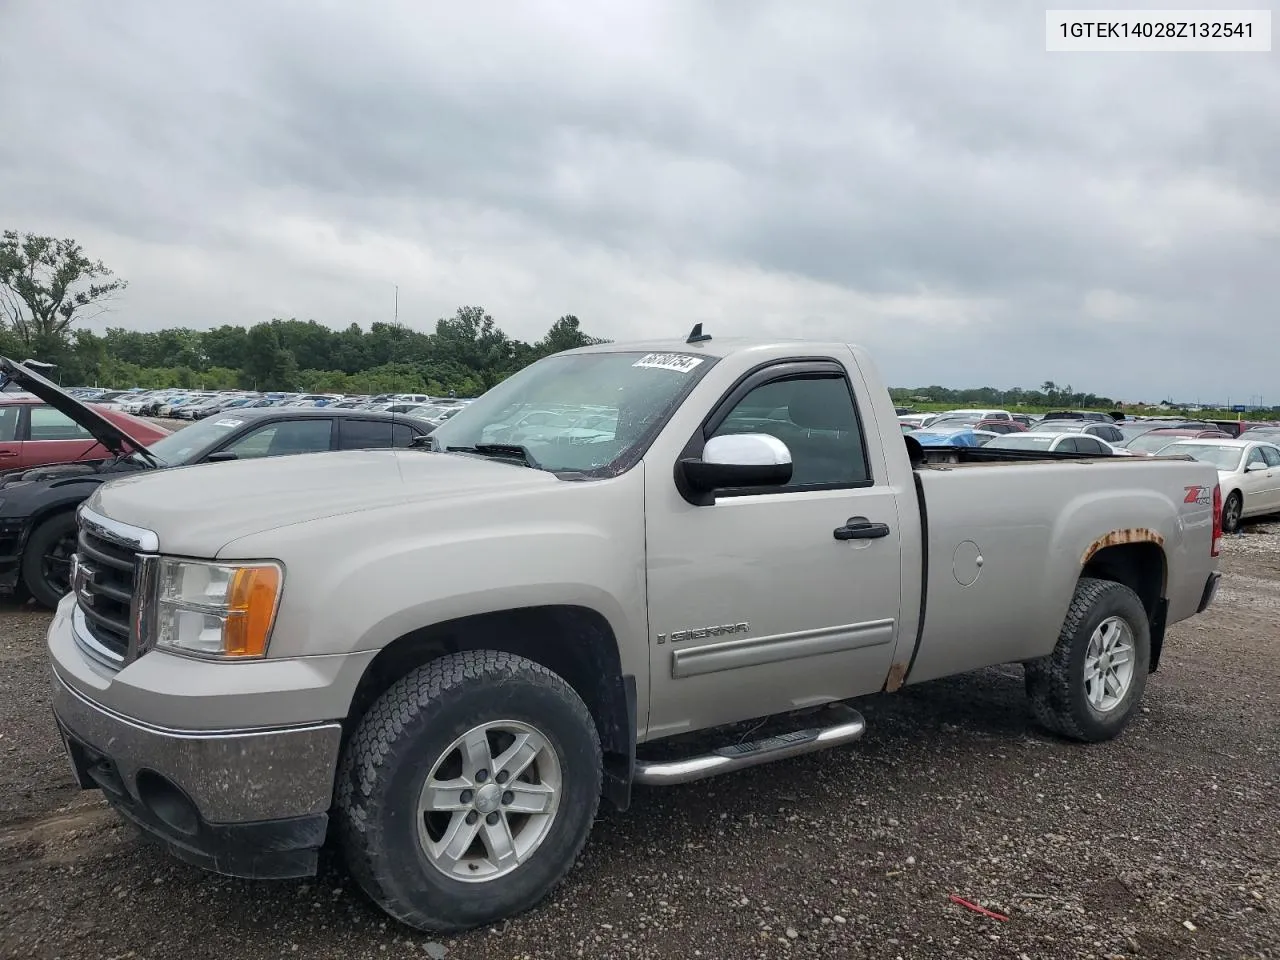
33,434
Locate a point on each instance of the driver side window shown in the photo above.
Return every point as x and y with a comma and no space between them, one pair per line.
815,417
1271,455
1257,457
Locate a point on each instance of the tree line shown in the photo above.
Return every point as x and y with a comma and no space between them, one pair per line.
1048,394
465,355
49,285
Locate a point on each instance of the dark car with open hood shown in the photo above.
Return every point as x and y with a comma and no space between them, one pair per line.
37,506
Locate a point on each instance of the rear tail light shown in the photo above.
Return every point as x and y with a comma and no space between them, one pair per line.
1217,521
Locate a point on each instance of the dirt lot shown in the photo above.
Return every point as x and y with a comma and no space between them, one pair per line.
1164,843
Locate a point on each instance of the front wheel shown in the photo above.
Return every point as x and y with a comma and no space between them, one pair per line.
1088,688
468,789
46,559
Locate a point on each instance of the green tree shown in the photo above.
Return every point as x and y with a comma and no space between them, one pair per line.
472,339
46,285
267,365
311,343
226,346
350,352
565,334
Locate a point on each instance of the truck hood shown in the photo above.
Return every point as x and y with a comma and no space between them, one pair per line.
110,435
198,510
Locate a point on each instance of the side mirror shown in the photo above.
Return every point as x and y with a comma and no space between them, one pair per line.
221,456
738,460
1255,466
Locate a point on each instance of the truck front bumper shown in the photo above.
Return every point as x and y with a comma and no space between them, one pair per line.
245,803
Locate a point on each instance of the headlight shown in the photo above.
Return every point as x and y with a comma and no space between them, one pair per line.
217,610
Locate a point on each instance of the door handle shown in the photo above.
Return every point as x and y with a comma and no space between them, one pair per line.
8,453
860,528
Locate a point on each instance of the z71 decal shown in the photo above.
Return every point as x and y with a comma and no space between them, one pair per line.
1201,495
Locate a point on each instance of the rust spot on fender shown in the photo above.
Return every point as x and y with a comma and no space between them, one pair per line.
1117,537
897,673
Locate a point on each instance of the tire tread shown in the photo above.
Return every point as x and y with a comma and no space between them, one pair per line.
366,756
1050,681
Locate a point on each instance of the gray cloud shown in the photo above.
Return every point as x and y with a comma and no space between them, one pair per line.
922,178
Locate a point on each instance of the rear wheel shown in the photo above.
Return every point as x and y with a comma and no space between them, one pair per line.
1232,511
46,559
468,790
1088,688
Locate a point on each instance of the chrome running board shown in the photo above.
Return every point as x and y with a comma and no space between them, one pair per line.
847,727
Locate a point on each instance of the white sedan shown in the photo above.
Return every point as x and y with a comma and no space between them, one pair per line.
1064,442
1248,473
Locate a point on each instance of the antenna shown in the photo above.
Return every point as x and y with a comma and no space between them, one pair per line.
395,326
696,335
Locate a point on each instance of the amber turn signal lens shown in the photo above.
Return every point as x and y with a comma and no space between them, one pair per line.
251,610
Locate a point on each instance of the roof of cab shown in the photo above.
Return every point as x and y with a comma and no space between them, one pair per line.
715,347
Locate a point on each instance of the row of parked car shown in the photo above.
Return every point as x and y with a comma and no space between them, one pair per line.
1245,454
199,404
57,448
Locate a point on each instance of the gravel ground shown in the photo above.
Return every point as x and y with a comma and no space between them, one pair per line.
1163,843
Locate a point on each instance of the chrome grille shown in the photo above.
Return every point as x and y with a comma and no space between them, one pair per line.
113,578
103,580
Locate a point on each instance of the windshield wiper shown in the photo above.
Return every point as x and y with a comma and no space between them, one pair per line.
141,453
507,451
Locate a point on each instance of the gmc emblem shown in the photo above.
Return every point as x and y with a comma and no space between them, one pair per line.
81,579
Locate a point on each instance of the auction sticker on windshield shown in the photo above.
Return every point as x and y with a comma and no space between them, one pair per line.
227,423
669,361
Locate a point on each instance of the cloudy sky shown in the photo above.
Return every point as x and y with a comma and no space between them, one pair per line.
921,177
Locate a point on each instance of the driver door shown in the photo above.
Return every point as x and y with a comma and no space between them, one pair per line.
1268,480
755,607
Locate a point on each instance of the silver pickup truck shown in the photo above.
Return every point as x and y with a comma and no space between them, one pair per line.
441,659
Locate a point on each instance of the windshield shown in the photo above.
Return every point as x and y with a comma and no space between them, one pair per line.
1023,441
1151,442
1223,458
945,438
591,413
954,422
431,413
182,445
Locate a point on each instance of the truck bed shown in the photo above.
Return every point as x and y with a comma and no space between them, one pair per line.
1003,548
